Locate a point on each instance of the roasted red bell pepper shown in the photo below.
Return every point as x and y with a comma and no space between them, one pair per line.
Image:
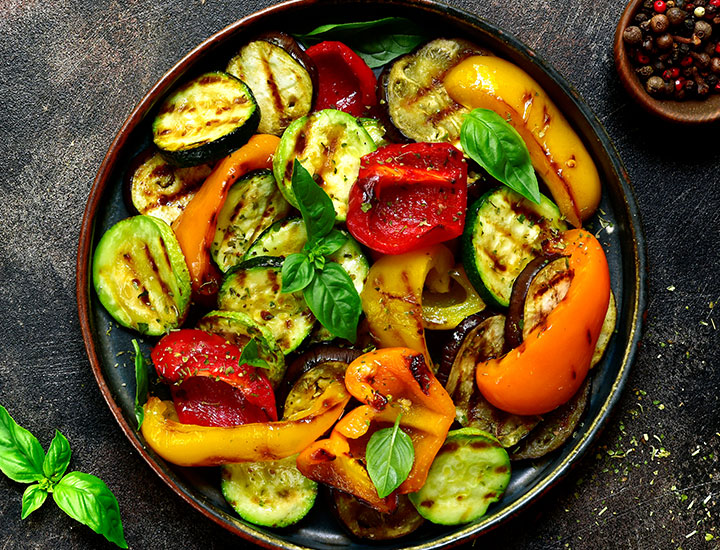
390,382
550,365
186,354
408,196
345,82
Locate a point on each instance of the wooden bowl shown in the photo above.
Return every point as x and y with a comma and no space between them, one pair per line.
685,112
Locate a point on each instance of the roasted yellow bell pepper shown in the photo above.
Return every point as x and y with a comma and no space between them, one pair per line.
195,227
445,310
392,297
557,152
548,368
191,445
390,382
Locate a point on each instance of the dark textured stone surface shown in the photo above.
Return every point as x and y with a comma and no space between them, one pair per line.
71,71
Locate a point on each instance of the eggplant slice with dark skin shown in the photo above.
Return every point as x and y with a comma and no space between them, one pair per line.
367,523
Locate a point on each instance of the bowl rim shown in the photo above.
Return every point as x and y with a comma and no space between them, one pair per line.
682,112
84,284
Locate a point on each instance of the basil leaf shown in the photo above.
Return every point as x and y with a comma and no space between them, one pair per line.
57,458
33,497
21,456
314,204
389,456
88,500
297,272
141,384
494,144
251,356
377,42
333,299
329,244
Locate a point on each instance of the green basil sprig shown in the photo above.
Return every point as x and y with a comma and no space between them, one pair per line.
326,286
83,497
377,42
494,144
389,456
141,384
250,355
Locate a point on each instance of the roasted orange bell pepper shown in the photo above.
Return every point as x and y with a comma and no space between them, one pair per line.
392,297
549,366
195,227
391,382
191,445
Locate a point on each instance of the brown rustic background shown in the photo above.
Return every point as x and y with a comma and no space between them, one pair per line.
71,71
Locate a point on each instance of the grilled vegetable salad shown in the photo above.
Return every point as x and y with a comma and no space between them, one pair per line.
296,239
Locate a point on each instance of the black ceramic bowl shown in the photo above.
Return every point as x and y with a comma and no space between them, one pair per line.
619,231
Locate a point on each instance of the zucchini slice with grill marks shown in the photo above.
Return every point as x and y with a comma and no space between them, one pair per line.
272,493
140,275
205,119
252,205
470,472
503,232
238,328
280,75
329,145
287,237
254,288
415,97
155,187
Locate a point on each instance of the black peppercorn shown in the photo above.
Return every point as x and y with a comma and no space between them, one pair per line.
715,65
659,23
689,24
690,86
648,4
640,17
645,26
712,80
654,85
702,60
645,71
684,49
676,16
632,35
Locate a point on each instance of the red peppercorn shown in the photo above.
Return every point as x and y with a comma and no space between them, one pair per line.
675,72
642,58
717,47
679,84
660,6
686,61
667,74
715,3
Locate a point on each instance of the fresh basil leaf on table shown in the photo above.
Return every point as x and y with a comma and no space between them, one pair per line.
57,458
33,497
377,42
494,144
21,456
141,384
389,455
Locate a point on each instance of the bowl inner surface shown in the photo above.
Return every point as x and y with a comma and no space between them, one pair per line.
108,345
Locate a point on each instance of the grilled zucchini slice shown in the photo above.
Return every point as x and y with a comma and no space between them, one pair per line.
279,75
503,232
238,328
329,145
287,237
272,493
157,188
470,472
205,120
416,100
252,205
254,288
140,275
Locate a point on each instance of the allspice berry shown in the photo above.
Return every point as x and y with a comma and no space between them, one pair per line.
632,35
676,16
715,65
664,41
654,85
703,30
659,23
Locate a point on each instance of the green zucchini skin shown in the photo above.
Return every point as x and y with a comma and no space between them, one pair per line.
272,493
288,236
503,232
238,328
205,120
254,288
329,145
140,275
253,204
470,472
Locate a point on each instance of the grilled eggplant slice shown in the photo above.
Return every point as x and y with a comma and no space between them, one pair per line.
155,187
329,145
140,275
282,77
254,288
205,120
413,92
287,237
367,523
252,205
470,472
503,232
